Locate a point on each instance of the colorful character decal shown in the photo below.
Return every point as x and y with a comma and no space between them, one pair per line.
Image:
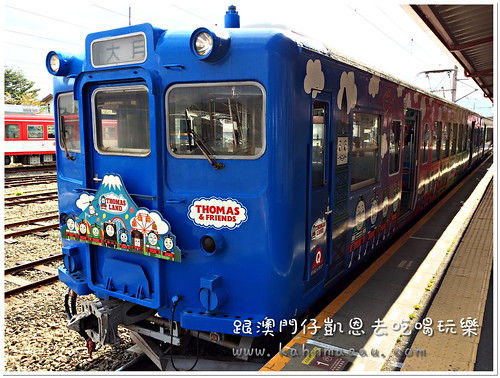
123,239
168,243
110,218
395,203
96,234
110,235
359,236
137,240
71,227
83,230
152,242
318,229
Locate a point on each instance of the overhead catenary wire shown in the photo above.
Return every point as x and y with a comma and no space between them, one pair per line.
384,33
41,37
47,17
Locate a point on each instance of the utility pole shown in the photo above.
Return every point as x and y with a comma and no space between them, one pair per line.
454,84
454,80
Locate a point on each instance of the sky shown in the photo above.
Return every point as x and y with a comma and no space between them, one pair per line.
379,34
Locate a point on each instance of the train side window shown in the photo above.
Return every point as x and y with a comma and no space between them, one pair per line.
69,122
446,141
35,131
50,132
453,136
12,131
318,144
121,120
226,119
394,147
425,145
460,145
365,149
436,140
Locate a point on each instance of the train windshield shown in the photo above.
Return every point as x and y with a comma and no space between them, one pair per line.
121,120
227,119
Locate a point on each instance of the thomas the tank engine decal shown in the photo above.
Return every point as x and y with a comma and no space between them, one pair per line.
113,209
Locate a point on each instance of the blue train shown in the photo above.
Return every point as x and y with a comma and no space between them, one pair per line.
219,181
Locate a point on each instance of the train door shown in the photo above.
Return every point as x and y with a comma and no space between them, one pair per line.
410,160
122,160
318,193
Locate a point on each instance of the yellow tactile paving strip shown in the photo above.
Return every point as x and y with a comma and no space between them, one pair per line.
460,300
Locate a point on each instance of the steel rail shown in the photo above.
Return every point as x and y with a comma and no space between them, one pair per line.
27,266
30,230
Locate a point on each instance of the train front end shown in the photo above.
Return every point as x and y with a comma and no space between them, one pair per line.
164,185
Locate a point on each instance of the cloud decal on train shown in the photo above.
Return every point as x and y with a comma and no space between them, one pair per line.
84,201
347,85
374,86
400,90
314,82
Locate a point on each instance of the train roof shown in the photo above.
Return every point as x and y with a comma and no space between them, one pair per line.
320,48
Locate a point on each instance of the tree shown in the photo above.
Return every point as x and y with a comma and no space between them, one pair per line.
18,89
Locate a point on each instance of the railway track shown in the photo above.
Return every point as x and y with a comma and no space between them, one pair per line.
29,198
23,284
40,224
11,182
30,168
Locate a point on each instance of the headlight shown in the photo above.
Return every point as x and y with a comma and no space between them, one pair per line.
209,46
204,44
54,63
57,64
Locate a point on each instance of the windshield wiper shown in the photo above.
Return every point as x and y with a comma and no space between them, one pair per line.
204,148
63,142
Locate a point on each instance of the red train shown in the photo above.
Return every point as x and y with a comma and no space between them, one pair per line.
29,139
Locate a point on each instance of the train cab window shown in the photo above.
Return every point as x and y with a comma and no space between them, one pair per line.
225,119
35,131
12,131
121,120
365,149
425,145
50,132
394,147
69,123
436,140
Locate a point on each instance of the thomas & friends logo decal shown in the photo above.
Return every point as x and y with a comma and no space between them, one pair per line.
217,213
110,218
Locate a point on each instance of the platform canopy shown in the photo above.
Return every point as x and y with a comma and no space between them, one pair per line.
466,31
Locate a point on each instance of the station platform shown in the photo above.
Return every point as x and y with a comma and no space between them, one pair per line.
420,305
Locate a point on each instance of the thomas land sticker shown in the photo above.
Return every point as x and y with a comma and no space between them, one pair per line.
217,213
